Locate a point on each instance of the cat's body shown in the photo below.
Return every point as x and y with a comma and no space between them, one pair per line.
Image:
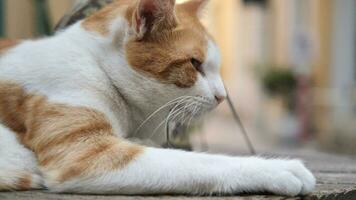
68,102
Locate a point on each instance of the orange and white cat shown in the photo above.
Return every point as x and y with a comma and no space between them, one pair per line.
69,103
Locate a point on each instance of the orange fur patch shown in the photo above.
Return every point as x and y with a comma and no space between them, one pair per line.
68,141
168,58
24,183
165,55
12,98
21,183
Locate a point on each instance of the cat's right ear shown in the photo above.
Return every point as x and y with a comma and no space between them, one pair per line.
151,17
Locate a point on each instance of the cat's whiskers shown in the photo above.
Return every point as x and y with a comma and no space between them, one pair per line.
180,112
195,103
160,125
183,111
182,108
176,111
172,113
156,129
186,112
194,108
197,109
174,101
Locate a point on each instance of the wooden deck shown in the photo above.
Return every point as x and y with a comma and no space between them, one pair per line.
336,177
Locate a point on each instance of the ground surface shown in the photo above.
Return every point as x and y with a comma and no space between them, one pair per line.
336,177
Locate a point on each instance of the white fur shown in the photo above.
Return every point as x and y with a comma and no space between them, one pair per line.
16,161
212,70
84,69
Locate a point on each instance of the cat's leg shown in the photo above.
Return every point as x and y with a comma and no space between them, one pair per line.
160,171
79,152
18,166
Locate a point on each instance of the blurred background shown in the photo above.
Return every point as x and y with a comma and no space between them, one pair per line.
289,65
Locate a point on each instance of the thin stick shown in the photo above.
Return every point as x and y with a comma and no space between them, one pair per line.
239,122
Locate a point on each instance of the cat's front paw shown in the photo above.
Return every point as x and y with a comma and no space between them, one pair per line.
290,178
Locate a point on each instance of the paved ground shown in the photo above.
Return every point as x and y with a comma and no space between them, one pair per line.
336,177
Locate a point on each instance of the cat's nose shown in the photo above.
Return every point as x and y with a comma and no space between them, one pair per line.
220,98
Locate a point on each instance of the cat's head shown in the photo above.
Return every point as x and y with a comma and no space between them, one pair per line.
172,53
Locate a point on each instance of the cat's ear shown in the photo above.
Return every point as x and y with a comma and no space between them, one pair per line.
153,16
195,6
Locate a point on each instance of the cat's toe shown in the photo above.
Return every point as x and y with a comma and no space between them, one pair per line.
285,183
291,178
37,182
304,175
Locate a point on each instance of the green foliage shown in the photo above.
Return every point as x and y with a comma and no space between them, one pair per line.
279,82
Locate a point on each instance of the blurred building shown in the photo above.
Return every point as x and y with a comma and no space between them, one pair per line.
29,18
316,39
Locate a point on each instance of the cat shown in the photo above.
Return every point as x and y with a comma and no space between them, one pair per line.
69,104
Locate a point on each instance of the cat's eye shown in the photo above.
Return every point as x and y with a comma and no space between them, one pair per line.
197,65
